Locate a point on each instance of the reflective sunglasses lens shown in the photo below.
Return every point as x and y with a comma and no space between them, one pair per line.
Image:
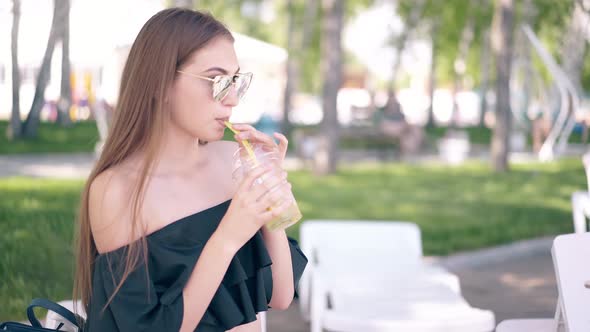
221,87
242,84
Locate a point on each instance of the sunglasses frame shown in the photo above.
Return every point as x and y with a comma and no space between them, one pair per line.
223,93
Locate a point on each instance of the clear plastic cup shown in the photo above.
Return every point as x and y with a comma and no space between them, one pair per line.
244,163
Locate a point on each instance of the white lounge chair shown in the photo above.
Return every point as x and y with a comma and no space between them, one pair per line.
370,276
581,201
405,307
570,260
359,247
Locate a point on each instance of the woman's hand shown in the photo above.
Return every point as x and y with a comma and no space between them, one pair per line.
254,204
254,136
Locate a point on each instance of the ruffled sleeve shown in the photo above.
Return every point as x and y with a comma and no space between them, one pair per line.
298,260
143,303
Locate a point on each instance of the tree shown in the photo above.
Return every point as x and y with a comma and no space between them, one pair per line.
433,31
502,36
65,99
14,130
460,63
332,22
60,10
528,13
182,3
400,45
244,16
298,43
574,46
454,28
291,70
485,64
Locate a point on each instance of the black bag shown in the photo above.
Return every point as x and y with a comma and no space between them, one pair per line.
35,324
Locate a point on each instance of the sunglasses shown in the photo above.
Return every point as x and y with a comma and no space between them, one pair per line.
222,84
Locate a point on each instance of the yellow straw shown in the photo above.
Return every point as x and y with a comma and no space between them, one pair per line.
248,148
244,142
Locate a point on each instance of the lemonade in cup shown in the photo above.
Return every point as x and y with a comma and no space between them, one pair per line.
249,156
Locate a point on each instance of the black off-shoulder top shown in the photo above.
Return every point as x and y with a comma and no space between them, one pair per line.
152,300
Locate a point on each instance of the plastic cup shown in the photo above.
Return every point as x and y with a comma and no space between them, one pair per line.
245,162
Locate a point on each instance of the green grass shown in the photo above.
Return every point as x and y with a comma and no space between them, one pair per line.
483,135
457,209
52,138
82,136
477,135
36,230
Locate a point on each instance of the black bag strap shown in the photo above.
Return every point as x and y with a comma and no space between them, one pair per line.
49,305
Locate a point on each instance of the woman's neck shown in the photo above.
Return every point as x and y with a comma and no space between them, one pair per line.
177,156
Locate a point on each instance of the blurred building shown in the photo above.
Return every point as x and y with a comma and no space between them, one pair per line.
101,34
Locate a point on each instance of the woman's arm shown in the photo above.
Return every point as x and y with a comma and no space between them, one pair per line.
282,270
205,280
276,241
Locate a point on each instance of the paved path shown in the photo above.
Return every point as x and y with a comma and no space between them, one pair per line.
514,281
78,165
75,165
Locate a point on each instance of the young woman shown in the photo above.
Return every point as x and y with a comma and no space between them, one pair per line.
167,240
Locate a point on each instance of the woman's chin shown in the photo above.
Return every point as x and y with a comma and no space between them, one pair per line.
214,137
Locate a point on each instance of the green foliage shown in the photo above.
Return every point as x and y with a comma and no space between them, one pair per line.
309,59
275,32
586,75
549,23
230,13
552,14
450,18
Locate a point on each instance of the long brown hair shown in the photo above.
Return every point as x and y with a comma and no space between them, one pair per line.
166,42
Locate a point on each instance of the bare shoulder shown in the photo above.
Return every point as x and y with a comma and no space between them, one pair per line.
109,210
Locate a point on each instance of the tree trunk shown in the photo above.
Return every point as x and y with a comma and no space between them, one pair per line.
65,99
291,70
32,123
528,18
502,49
332,74
574,50
486,63
401,45
13,131
311,13
401,40
296,51
460,64
432,77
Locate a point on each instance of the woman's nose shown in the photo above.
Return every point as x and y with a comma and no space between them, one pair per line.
232,97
